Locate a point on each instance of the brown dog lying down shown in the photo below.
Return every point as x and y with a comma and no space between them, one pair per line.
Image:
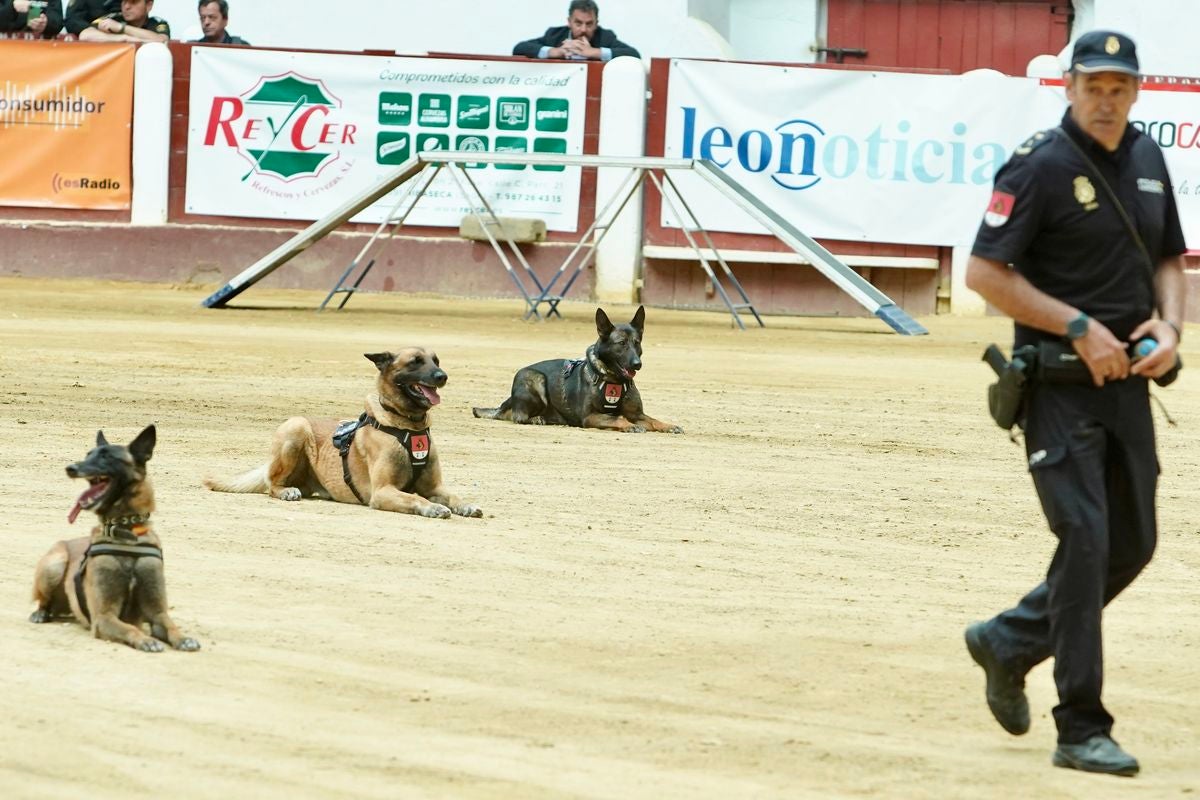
112,581
386,459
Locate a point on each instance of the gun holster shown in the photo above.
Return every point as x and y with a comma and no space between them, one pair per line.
1006,397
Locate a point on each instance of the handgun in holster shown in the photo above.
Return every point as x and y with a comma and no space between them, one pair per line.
1006,397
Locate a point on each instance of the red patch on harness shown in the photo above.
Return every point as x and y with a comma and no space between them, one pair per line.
420,446
613,392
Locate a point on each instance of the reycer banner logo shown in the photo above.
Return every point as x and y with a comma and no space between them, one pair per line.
286,126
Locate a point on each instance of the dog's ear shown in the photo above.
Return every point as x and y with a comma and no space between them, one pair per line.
382,360
604,325
100,440
639,319
141,447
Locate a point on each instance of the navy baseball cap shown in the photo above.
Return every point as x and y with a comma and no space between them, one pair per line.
1105,51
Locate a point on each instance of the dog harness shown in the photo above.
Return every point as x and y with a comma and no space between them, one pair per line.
609,392
416,443
120,540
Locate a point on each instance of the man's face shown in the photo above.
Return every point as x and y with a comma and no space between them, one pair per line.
211,22
1100,103
583,24
136,12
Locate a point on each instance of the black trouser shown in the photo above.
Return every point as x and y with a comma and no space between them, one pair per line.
1091,455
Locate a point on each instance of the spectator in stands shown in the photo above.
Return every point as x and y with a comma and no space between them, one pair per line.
132,23
82,13
45,19
214,16
580,39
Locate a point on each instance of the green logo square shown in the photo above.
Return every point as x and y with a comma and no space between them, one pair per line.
474,112
392,147
551,114
474,144
433,111
512,113
545,145
511,144
395,108
432,141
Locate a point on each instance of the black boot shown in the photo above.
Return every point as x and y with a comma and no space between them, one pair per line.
1005,688
1098,754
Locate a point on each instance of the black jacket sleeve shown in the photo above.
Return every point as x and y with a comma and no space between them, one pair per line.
81,13
609,39
54,20
530,48
10,20
8,16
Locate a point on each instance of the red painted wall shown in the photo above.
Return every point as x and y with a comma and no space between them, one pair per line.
957,35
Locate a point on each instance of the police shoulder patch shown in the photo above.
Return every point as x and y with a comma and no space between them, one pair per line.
1034,142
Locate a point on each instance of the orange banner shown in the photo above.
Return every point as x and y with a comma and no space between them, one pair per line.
66,115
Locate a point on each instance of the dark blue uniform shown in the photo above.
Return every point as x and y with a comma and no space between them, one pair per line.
1091,450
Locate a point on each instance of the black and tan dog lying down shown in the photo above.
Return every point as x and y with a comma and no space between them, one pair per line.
596,391
385,459
112,581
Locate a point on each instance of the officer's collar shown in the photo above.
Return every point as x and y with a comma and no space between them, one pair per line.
1091,146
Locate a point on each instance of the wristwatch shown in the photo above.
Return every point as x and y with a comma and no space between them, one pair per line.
1078,327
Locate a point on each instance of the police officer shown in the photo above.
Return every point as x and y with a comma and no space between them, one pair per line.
44,21
1079,275
130,22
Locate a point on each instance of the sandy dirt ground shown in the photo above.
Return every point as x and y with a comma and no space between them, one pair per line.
767,606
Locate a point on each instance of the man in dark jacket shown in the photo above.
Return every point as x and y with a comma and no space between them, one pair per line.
580,39
214,16
82,13
44,19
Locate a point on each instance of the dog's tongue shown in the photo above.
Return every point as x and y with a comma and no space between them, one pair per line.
90,494
430,394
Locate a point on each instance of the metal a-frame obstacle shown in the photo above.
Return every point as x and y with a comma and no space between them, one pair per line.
419,172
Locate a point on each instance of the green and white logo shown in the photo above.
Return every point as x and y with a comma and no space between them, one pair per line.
291,127
392,147
473,144
432,141
474,112
547,145
511,144
395,108
512,113
551,114
433,111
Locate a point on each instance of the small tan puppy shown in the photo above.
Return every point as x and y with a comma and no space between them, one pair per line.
386,459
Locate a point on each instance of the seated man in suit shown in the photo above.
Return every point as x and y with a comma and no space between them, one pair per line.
580,39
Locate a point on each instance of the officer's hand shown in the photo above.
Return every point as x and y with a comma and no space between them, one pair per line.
1103,353
38,24
1161,358
110,25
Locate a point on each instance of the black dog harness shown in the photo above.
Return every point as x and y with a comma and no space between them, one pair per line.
123,543
609,392
416,443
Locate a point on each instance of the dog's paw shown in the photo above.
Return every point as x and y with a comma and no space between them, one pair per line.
674,429
635,429
289,493
150,646
40,615
468,511
188,644
435,510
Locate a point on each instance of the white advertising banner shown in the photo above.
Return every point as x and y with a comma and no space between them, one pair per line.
1168,111
286,135
852,155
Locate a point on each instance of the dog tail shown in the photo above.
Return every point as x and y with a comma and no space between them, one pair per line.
247,483
493,413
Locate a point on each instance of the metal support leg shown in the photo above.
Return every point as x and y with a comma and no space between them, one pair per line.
423,179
